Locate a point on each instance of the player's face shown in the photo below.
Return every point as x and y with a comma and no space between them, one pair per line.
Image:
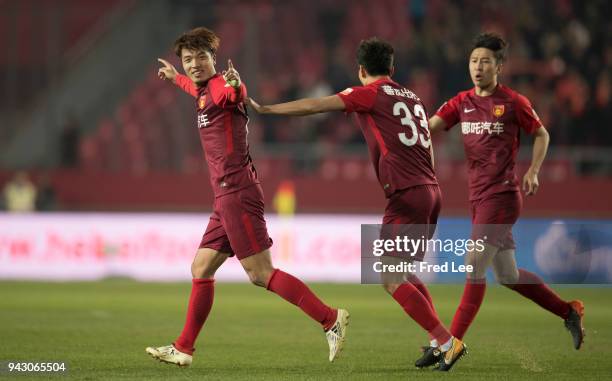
199,65
484,68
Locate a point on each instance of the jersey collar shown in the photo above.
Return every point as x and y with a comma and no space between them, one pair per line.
209,79
383,80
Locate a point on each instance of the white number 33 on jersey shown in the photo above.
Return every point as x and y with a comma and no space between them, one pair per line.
401,109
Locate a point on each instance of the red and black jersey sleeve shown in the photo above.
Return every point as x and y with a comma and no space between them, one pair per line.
526,116
224,95
358,98
186,85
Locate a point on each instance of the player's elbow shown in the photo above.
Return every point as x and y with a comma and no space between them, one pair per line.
542,133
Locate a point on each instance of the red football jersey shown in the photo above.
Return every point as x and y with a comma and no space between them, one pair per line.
222,122
394,123
491,136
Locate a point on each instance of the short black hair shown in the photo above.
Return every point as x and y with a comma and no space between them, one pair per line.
494,42
376,56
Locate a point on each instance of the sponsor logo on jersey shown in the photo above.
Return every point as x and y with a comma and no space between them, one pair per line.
202,102
347,91
468,110
404,92
203,120
480,128
498,110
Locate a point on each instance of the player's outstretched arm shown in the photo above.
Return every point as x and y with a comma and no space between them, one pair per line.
540,146
169,73
301,107
436,124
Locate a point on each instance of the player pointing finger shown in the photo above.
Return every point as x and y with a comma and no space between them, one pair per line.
168,71
231,75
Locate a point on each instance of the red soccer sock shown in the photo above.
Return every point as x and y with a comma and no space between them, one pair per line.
418,308
532,287
425,292
296,292
200,303
416,282
473,295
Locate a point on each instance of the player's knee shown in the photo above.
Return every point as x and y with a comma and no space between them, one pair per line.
201,270
390,287
473,260
479,264
197,270
259,268
507,279
259,277
205,266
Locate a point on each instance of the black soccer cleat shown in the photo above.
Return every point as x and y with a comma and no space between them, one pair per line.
457,350
431,356
573,323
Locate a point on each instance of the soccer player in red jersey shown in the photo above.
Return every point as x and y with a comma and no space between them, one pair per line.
394,123
491,116
237,225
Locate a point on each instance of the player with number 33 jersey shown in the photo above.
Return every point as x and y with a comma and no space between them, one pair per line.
394,123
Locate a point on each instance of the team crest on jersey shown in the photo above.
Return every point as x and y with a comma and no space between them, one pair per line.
346,91
498,110
202,101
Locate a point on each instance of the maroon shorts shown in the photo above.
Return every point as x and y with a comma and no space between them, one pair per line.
416,211
237,225
494,216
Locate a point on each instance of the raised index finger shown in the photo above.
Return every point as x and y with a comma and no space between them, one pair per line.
164,62
230,65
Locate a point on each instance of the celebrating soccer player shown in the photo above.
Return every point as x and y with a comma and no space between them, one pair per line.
394,123
237,225
491,116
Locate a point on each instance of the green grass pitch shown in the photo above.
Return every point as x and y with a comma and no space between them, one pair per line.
102,328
